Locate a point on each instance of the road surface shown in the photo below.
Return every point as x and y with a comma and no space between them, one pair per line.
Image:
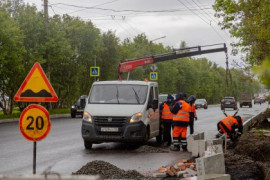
64,152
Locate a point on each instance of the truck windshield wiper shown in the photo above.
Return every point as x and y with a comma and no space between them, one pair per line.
136,95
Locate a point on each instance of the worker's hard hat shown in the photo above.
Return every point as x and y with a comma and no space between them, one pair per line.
170,97
191,98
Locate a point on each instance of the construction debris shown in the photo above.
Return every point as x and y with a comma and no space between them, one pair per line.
181,169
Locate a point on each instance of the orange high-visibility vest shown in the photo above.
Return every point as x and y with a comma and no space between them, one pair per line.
193,109
182,115
228,122
166,113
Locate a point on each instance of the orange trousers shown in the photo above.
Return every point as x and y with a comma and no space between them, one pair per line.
179,131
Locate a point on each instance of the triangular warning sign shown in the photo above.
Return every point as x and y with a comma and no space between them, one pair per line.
36,87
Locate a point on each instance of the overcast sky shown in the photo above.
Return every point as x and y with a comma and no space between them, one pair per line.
191,21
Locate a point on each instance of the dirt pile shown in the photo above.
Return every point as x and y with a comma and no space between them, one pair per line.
249,157
107,171
150,149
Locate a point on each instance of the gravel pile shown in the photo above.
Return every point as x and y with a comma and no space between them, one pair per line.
107,171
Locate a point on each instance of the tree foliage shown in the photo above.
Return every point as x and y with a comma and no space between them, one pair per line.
66,47
249,21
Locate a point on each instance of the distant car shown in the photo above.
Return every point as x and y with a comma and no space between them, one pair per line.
163,97
201,103
258,100
78,107
228,102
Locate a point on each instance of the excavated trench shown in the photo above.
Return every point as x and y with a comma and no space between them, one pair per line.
249,157
246,159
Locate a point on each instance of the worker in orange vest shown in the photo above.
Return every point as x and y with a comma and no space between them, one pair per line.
166,118
181,111
192,115
232,126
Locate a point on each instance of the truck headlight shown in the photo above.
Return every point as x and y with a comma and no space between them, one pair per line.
72,106
136,118
87,117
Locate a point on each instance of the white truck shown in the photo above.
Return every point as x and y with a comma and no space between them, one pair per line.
121,111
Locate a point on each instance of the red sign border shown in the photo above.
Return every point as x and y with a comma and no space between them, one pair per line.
31,106
54,97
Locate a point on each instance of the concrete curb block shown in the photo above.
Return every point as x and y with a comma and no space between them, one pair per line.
248,124
54,116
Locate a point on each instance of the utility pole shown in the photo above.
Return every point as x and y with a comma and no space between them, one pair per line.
46,22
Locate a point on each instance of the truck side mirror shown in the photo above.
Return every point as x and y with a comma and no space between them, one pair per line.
82,103
155,103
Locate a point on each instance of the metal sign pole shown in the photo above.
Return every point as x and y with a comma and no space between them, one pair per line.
34,157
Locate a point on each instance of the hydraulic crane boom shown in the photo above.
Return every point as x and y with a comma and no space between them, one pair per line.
129,65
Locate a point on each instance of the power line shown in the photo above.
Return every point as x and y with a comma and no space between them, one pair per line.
201,19
124,10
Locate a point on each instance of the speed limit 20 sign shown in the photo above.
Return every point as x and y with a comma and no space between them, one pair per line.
35,123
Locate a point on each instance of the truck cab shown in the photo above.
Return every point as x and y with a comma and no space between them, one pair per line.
121,111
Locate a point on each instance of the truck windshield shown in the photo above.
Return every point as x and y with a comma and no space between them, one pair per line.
118,94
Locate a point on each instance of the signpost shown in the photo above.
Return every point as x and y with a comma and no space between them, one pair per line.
153,76
34,121
36,87
94,71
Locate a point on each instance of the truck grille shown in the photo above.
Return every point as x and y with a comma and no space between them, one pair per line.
112,122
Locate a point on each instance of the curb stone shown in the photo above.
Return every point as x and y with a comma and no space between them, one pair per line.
54,116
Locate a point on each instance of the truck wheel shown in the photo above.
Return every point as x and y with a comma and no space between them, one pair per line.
240,106
87,144
146,136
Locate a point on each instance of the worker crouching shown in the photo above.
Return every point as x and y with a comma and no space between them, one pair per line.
181,111
232,126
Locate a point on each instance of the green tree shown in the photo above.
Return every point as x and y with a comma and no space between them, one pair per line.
11,69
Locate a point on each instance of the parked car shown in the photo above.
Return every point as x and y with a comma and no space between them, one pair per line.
228,102
201,103
78,107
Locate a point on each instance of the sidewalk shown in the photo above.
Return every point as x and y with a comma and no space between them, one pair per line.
54,116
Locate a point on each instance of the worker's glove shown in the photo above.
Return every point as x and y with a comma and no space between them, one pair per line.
239,134
196,118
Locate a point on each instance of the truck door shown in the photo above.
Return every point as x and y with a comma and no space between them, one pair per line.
153,113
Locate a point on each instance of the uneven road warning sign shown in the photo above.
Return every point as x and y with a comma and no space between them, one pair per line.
34,122
36,87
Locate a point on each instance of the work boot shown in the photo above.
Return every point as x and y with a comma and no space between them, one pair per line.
174,148
184,148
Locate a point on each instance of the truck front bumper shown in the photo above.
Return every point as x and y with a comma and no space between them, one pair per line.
134,132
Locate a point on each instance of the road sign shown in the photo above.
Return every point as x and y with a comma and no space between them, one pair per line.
34,122
153,67
36,87
94,71
153,76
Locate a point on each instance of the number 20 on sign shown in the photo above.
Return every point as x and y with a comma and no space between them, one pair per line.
35,123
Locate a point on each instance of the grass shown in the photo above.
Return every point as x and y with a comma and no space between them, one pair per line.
16,113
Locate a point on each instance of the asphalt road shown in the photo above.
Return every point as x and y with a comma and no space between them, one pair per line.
63,151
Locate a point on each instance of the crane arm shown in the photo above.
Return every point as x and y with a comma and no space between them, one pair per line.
129,65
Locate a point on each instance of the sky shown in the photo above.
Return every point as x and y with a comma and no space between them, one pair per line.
164,21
